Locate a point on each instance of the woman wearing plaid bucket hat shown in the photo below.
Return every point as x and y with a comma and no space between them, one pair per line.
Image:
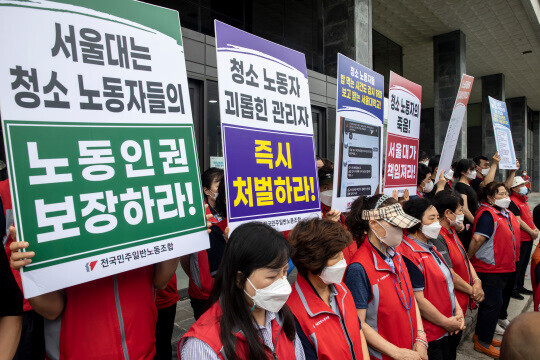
391,323
432,281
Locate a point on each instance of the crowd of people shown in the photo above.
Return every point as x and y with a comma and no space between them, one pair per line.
393,278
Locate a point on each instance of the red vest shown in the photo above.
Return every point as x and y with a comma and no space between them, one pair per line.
5,197
499,253
168,296
322,326
199,264
386,313
200,290
526,215
435,286
535,261
105,317
460,264
207,329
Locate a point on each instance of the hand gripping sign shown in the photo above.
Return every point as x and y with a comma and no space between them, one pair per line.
99,138
267,131
401,165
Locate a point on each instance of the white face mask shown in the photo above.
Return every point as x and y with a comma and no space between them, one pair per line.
425,163
485,172
393,235
449,175
431,231
273,297
459,220
326,197
472,175
428,187
334,274
214,195
503,203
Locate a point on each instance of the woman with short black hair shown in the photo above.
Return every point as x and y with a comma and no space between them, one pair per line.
202,266
468,286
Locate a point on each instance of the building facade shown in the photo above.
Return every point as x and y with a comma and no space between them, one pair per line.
429,42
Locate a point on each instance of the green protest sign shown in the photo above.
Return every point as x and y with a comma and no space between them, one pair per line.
99,138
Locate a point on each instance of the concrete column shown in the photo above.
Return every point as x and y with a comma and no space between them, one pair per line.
363,34
517,114
492,85
449,63
347,29
427,132
534,173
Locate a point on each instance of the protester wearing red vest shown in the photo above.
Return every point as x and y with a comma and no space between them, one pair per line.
468,286
109,318
493,252
520,208
432,282
323,307
251,286
379,280
202,266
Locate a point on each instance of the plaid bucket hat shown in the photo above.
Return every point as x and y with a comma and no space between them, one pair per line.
393,214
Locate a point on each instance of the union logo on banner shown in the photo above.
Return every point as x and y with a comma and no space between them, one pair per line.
90,266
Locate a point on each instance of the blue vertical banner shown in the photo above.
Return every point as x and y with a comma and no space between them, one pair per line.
359,130
503,134
267,130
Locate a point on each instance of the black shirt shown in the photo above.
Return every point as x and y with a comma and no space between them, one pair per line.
514,209
472,198
473,205
475,184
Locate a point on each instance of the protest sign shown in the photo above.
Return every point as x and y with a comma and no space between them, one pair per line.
403,131
217,162
99,138
267,131
454,125
503,134
359,121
